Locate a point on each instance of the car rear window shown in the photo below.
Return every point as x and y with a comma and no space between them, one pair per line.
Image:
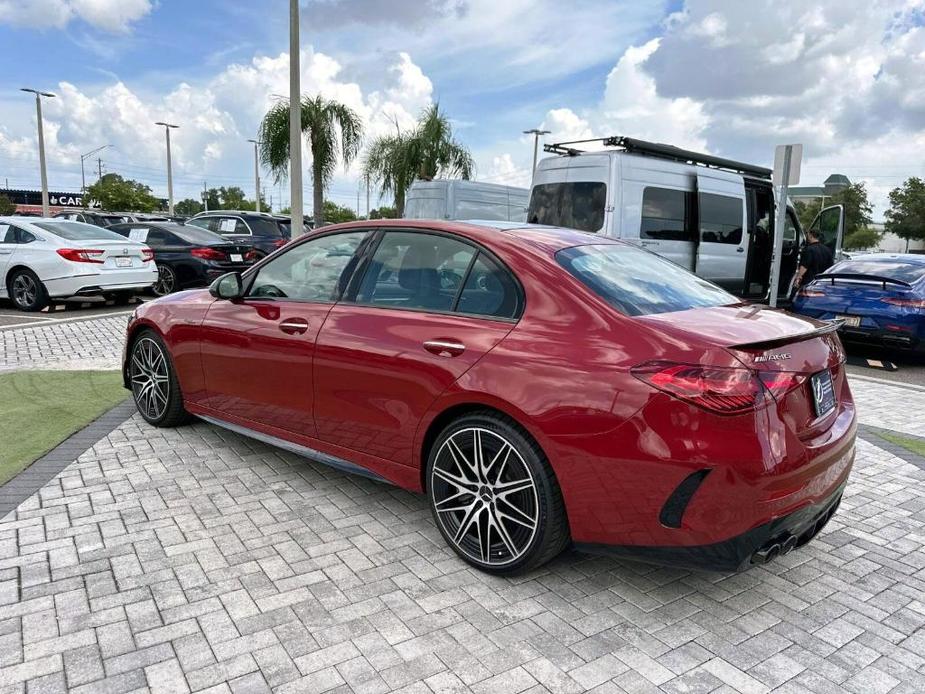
78,231
894,269
264,227
639,283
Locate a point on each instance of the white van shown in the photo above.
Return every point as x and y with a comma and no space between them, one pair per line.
456,199
711,215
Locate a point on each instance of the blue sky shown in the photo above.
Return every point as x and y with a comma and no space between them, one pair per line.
845,78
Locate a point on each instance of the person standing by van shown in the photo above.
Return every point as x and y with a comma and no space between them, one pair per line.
815,259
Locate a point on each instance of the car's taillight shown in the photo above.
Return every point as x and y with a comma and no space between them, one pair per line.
252,255
907,303
808,293
147,255
208,254
779,383
279,243
717,389
81,255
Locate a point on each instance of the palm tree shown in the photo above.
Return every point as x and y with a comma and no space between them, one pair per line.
427,151
334,131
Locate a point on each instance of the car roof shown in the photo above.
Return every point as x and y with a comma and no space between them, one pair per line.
913,258
236,213
547,238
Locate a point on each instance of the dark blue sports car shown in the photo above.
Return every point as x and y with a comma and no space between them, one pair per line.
880,298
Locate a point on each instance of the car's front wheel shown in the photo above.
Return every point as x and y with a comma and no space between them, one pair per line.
154,383
494,495
27,291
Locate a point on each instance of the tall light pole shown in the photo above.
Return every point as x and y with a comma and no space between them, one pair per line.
83,158
167,127
38,116
295,122
257,172
536,132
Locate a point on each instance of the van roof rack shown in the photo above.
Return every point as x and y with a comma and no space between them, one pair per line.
656,149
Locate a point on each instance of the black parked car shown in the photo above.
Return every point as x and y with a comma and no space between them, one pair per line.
187,256
259,229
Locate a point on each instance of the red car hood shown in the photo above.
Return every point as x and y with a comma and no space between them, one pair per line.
741,325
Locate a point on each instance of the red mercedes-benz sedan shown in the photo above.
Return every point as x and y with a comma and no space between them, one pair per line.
541,386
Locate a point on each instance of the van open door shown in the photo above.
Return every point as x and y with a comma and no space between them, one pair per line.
722,248
829,228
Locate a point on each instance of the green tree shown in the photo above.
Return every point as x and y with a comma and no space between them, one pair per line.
188,207
857,208
7,206
906,216
335,214
861,239
113,192
232,198
807,211
429,150
383,212
334,133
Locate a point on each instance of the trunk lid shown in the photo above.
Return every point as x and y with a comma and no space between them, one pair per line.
798,359
117,255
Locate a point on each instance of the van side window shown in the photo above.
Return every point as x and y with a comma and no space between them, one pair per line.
720,219
667,215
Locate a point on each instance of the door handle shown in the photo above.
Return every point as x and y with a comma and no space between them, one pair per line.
445,347
5,251
740,250
648,243
294,326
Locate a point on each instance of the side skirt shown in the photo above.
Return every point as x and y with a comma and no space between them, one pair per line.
304,451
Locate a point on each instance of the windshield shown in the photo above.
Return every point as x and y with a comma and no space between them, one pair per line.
893,268
78,231
577,205
639,283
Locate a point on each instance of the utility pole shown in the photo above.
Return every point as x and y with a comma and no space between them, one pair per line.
536,132
167,127
205,196
38,116
256,172
295,122
84,157
99,164
367,197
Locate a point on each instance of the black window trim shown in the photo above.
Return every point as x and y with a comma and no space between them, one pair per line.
349,296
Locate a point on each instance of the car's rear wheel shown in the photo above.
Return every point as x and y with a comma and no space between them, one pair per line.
123,298
27,291
494,495
153,378
166,281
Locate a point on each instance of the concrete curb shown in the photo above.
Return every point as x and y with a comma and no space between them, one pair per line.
872,435
37,475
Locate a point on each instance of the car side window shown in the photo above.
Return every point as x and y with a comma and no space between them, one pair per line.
23,236
490,290
201,223
240,227
416,270
310,271
157,238
7,233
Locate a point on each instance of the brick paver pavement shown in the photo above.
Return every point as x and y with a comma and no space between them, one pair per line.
194,559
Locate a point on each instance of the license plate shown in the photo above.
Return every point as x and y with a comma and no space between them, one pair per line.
850,321
823,392
123,261
236,257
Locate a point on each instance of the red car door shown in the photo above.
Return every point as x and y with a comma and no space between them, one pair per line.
257,352
427,308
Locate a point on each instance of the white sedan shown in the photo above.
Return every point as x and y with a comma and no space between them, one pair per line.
44,259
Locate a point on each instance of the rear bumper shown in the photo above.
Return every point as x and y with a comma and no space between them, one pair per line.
756,546
886,338
101,283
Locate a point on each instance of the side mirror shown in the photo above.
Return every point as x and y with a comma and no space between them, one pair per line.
229,286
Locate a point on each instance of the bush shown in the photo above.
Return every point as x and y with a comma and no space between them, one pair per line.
862,239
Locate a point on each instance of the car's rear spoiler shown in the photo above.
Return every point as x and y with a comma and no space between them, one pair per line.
861,278
829,327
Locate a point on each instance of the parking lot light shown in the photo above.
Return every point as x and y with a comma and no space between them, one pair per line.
38,116
167,127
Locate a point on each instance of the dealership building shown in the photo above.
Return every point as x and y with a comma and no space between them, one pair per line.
30,201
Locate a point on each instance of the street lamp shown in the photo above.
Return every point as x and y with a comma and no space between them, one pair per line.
295,123
536,132
167,127
38,115
83,158
257,172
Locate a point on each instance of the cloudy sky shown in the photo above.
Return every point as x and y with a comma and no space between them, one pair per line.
844,77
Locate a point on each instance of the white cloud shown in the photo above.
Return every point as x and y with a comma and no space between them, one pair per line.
109,15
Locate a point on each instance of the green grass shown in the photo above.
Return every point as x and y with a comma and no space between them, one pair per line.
914,445
39,409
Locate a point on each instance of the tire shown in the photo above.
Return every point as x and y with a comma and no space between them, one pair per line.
27,291
513,518
166,281
153,381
